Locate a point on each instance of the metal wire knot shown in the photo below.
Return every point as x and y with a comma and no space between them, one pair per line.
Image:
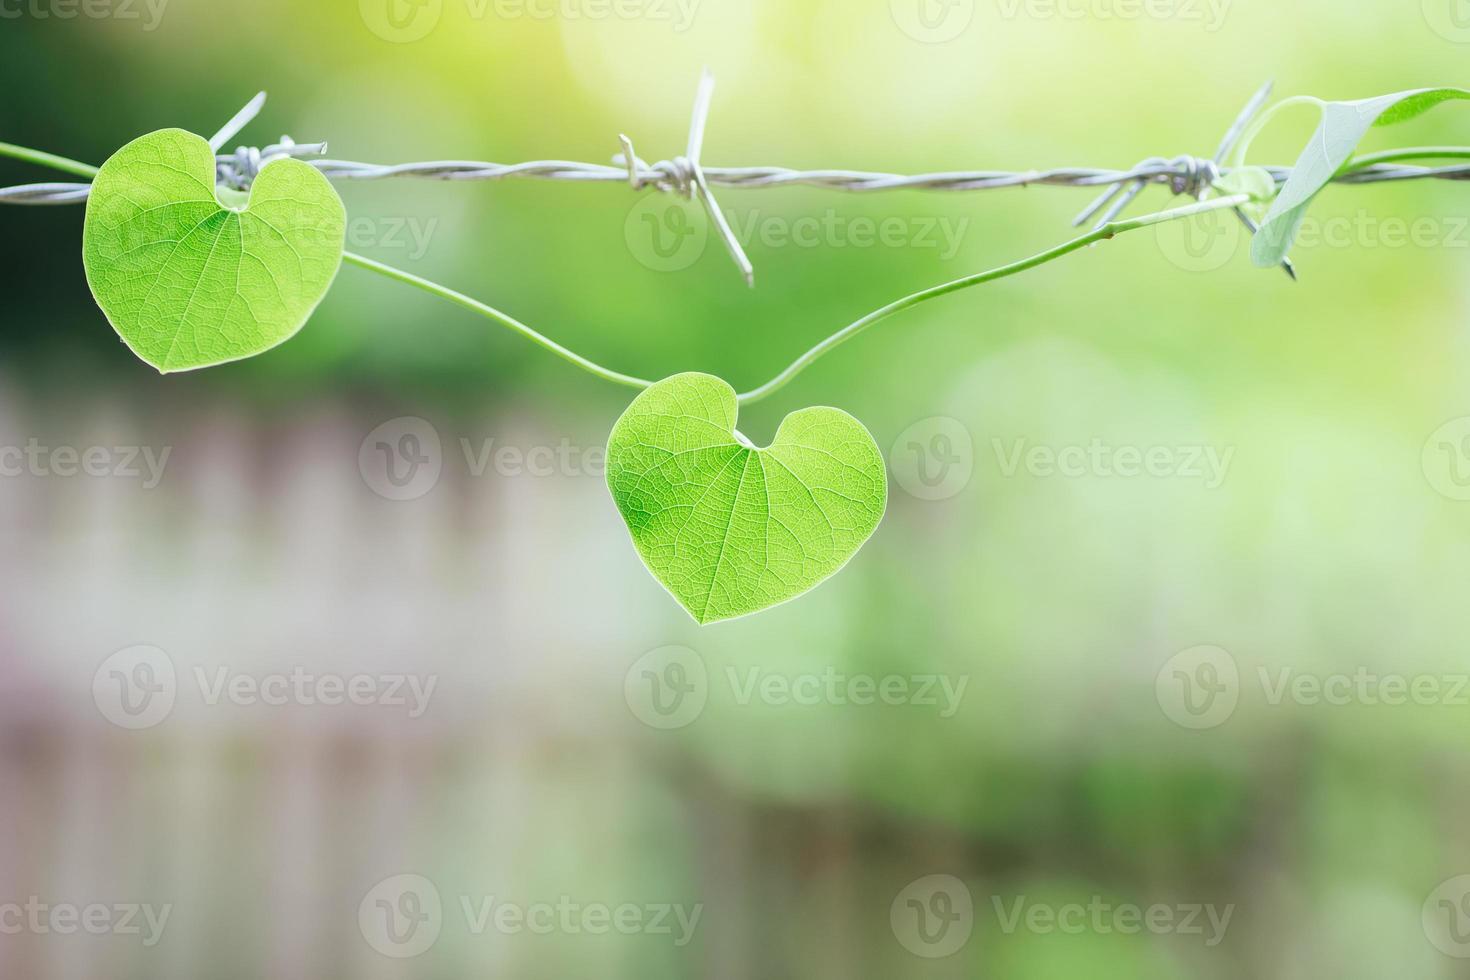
1195,175
239,170
676,176
1186,174
685,176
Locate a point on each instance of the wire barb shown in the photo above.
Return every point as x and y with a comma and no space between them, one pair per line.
237,122
1237,128
702,100
240,169
685,176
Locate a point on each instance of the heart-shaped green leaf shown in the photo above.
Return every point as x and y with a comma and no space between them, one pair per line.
1343,126
188,281
730,529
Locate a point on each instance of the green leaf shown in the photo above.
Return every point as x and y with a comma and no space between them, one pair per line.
730,529
1406,105
187,281
1343,126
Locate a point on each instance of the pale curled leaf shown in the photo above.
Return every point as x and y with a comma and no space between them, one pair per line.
1255,182
188,282
1343,127
729,529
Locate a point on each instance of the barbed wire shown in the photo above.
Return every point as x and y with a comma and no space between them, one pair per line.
687,176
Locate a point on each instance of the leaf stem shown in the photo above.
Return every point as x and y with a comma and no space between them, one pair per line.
504,319
1408,153
1244,146
47,160
1104,233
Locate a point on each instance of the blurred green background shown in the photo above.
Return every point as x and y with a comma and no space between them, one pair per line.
1083,610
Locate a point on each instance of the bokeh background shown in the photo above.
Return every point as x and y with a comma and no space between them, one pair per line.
1122,741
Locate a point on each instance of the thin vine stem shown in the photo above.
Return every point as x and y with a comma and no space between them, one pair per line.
826,346
1243,148
490,312
1408,153
1110,230
1107,231
47,160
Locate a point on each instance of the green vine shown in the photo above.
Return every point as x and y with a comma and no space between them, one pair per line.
191,274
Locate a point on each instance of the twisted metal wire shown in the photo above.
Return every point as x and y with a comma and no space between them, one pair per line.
685,175
658,175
